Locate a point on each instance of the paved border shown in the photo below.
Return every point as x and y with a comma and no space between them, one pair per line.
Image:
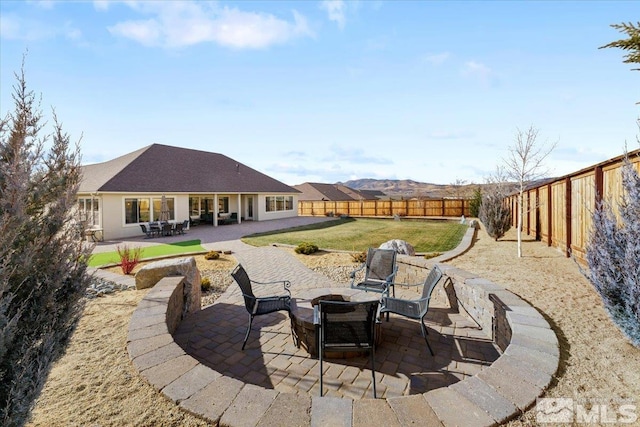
496,394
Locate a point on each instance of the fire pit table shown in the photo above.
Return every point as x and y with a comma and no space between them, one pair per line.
302,326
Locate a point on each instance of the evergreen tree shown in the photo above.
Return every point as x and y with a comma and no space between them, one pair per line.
43,261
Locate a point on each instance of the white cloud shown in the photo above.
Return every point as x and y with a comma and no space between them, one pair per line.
336,11
479,71
101,4
183,24
438,58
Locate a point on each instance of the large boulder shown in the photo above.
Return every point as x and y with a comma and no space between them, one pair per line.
151,274
400,246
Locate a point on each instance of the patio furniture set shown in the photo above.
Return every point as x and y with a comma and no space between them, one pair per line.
164,228
337,322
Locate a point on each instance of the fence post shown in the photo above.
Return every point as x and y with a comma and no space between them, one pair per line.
599,181
549,215
567,199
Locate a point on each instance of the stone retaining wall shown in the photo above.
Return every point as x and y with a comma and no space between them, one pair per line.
496,394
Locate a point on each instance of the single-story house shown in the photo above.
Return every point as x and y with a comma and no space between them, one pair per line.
315,191
118,195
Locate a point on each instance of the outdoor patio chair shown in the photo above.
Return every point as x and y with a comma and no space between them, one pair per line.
147,231
178,229
380,271
346,326
257,306
167,229
415,309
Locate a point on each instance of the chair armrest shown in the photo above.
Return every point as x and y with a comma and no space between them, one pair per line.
285,284
390,277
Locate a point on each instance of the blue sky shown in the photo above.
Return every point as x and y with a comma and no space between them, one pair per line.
331,91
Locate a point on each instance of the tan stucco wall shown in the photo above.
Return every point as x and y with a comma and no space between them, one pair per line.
112,211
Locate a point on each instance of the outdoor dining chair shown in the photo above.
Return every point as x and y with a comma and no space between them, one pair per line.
415,309
380,271
346,327
147,231
257,306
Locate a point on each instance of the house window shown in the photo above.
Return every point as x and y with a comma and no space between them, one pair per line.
89,211
137,210
157,209
279,203
223,204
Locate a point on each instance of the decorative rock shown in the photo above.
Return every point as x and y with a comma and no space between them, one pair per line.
151,274
400,246
474,224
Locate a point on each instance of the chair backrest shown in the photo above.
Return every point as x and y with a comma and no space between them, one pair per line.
185,223
431,281
166,226
144,228
179,226
380,264
348,323
241,277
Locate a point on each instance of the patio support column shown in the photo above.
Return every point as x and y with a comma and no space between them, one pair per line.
215,209
239,207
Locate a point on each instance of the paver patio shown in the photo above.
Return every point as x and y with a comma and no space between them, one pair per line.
272,361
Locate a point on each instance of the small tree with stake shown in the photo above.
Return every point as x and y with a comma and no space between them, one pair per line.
523,165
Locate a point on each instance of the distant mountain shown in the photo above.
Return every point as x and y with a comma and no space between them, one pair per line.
407,188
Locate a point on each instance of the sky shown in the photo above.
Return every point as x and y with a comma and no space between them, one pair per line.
331,91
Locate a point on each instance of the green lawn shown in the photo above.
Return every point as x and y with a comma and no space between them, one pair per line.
176,248
359,234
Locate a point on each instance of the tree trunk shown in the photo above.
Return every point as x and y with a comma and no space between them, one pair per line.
519,228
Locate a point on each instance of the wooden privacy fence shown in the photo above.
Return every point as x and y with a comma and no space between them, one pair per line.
559,212
386,208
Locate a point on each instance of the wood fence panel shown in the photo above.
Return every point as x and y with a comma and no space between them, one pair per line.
583,196
433,207
399,207
558,215
532,213
543,213
453,207
612,182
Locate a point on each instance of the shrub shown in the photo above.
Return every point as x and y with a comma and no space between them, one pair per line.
306,248
211,255
432,255
475,203
205,284
42,257
359,257
613,256
129,258
495,215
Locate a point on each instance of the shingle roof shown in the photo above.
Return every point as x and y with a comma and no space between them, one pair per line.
164,168
333,192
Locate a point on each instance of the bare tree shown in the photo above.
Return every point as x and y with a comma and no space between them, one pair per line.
525,163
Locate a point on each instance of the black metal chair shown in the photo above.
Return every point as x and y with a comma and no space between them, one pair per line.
257,306
148,232
346,326
380,272
415,309
178,228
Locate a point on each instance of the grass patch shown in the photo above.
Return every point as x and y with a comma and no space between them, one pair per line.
164,249
361,233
